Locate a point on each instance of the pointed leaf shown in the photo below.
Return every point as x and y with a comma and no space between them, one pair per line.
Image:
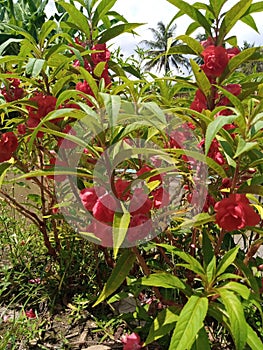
214,127
253,340
79,20
163,279
201,79
232,16
120,226
34,66
46,28
162,324
237,319
238,288
118,275
189,323
202,341
193,13
217,6
227,260
192,43
101,10
249,20
112,105
117,30
244,146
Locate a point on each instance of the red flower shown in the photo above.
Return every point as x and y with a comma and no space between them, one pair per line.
199,103
30,314
139,228
13,91
160,198
215,60
234,213
104,208
233,51
85,87
214,152
208,42
102,56
8,145
140,202
86,64
131,342
44,105
121,189
21,128
106,77
101,231
234,89
89,196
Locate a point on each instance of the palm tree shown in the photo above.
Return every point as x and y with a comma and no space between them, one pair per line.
157,49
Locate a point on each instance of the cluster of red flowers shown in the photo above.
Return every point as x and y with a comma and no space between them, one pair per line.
103,205
233,212
8,145
101,54
12,92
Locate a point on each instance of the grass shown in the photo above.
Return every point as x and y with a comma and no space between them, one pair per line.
58,292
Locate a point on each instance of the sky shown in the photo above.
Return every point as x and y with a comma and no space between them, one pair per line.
152,11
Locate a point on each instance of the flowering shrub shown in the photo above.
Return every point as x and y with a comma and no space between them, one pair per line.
168,186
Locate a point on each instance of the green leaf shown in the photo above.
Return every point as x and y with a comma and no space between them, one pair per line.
207,248
198,220
6,43
79,20
211,270
118,275
34,66
112,105
249,20
244,146
101,10
180,49
201,157
236,316
111,33
236,61
163,279
120,226
232,16
238,288
201,79
193,13
98,70
162,324
234,100
189,323
217,6
90,80
253,340
255,189
214,127
227,260
192,43
46,29
193,264
202,341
